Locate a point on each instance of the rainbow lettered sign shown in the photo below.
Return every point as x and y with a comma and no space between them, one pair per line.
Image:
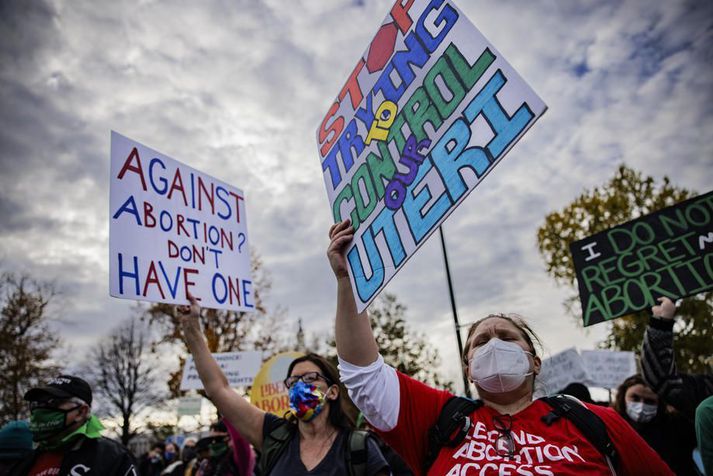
428,111
175,230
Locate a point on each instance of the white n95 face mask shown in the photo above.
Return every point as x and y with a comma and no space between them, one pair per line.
499,366
641,412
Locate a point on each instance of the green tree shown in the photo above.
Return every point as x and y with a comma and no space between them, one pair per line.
27,341
627,196
407,351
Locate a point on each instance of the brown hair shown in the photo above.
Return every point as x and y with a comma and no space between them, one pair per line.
342,411
619,403
527,333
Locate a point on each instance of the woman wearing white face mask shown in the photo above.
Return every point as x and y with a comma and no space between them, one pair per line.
670,434
506,433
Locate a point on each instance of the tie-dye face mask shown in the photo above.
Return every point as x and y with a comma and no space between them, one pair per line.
306,400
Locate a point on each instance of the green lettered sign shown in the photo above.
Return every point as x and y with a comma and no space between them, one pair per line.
626,268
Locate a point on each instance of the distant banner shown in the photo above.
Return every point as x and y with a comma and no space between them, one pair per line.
608,368
626,268
428,111
268,391
189,406
560,370
175,230
239,368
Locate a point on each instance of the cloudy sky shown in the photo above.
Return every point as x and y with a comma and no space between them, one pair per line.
237,89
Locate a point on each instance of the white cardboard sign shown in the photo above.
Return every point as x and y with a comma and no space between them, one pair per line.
429,110
188,406
174,230
239,368
560,370
608,368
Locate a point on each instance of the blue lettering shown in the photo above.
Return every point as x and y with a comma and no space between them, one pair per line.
445,19
174,288
505,128
161,180
134,275
246,292
367,287
219,277
420,224
384,222
451,156
223,199
129,206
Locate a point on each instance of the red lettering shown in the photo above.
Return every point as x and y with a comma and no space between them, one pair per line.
335,128
152,278
177,184
399,12
138,169
179,225
172,249
210,196
198,254
226,238
234,291
237,205
187,283
148,216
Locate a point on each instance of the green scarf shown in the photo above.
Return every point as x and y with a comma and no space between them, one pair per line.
90,429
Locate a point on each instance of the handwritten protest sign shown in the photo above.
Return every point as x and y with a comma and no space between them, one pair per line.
175,230
626,268
188,406
608,368
560,370
268,391
430,108
239,368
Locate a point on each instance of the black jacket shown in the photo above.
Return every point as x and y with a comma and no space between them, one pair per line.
91,456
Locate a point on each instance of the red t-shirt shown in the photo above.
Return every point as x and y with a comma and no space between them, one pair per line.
48,464
539,449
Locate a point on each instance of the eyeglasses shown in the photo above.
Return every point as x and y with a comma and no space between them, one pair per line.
309,377
505,444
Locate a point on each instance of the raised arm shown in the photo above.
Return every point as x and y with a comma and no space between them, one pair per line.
658,363
246,418
355,340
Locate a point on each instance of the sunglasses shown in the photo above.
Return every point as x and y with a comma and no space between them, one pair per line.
505,444
309,377
53,403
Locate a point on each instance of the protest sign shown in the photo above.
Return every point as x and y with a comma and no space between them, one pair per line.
560,370
239,368
626,268
430,108
608,368
268,391
175,230
188,406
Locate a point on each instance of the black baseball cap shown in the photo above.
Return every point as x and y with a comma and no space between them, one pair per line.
63,386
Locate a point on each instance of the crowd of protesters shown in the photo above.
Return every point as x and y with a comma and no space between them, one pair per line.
660,423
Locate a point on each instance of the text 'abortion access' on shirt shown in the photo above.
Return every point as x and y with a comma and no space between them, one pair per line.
537,449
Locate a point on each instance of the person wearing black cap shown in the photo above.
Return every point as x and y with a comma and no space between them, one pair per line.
68,436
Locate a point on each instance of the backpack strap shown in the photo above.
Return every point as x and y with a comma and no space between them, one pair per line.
274,444
357,454
591,426
451,427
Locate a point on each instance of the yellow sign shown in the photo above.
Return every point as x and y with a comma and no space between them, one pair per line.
268,391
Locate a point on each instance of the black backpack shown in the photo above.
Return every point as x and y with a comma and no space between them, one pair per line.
275,442
454,423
